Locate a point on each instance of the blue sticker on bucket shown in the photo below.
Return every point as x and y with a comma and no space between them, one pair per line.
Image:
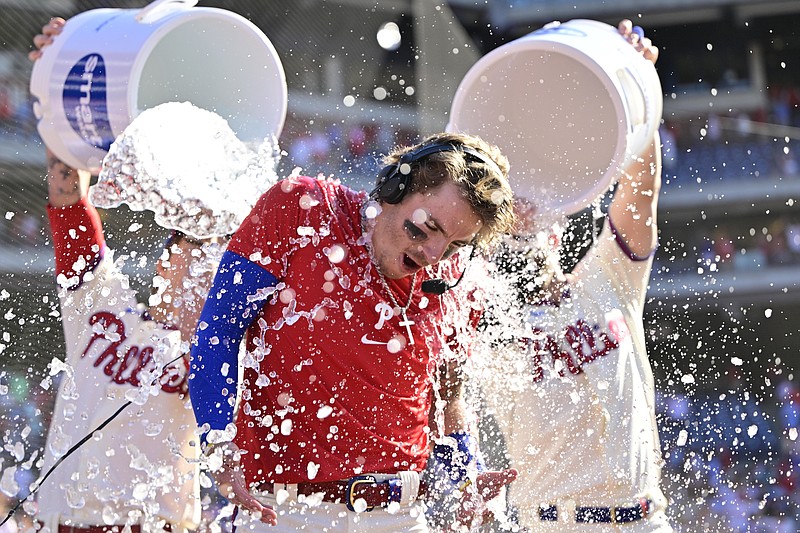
85,101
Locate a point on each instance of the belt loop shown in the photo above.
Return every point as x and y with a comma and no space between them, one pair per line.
284,492
570,508
291,488
410,492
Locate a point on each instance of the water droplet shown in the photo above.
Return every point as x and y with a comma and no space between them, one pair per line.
307,202
281,496
284,399
312,470
74,499
337,253
395,345
152,429
141,491
360,505
109,516
8,483
287,296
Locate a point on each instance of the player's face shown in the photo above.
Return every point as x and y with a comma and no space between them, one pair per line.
423,229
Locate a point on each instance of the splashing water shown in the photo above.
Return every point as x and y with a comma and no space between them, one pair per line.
8,482
187,166
60,443
74,498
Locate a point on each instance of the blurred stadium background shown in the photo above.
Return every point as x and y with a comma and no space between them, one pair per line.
723,307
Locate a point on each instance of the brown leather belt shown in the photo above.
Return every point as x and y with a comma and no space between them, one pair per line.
348,491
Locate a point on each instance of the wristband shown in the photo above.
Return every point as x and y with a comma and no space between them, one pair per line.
456,459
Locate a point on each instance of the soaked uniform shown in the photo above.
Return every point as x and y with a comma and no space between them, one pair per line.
139,463
335,383
577,413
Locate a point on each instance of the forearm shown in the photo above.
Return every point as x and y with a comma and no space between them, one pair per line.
78,241
634,208
454,409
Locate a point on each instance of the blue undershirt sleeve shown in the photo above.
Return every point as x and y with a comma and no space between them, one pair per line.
227,313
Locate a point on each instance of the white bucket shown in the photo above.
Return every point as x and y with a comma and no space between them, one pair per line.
108,65
568,104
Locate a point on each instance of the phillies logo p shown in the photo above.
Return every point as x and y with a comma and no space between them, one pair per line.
85,101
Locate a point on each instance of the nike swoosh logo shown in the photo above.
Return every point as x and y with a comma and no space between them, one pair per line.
365,340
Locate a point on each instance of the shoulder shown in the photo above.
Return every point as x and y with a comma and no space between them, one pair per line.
298,202
306,193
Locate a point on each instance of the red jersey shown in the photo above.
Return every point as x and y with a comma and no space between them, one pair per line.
332,384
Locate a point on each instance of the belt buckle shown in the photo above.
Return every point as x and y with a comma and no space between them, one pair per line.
351,487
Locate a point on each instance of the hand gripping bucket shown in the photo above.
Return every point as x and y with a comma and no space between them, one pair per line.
108,65
568,104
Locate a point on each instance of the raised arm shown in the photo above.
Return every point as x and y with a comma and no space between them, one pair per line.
633,209
75,225
65,185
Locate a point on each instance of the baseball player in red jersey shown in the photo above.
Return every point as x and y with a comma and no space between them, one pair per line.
574,392
327,287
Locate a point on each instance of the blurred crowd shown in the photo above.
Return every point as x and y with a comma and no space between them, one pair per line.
731,455
24,405
734,247
16,110
735,145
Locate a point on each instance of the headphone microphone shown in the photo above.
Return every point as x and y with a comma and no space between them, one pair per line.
438,286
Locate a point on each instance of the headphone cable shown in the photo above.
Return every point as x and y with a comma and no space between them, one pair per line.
78,445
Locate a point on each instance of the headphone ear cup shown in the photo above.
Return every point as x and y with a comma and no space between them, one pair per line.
392,184
385,187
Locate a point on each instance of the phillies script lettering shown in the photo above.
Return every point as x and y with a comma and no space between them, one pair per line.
122,362
578,344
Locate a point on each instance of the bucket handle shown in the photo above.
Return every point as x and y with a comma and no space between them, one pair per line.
635,97
150,12
641,105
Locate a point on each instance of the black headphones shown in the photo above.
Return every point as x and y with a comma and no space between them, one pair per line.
394,179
